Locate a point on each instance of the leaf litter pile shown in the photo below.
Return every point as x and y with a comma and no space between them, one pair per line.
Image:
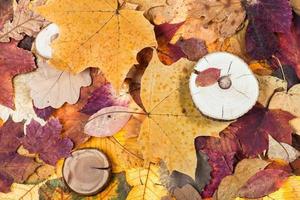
113,75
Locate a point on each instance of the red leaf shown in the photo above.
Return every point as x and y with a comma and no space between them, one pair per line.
13,61
263,183
6,11
208,77
168,53
193,48
47,141
289,52
222,165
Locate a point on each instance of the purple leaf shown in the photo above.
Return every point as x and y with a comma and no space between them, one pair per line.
275,14
47,141
10,133
44,113
266,17
5,182
102,97
261,43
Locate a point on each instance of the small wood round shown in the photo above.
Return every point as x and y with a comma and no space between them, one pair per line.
235,92
87,171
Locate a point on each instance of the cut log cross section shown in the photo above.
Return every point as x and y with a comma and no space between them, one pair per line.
232,94
87,171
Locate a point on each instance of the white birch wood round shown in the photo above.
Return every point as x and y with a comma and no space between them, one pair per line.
44,39
233,95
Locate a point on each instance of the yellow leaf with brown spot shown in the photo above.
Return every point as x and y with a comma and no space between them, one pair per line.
172,121
97,34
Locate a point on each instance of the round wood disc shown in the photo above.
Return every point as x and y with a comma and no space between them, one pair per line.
233,95
87,171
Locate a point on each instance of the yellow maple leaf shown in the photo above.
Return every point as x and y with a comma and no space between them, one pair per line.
98,34
146,183
172,120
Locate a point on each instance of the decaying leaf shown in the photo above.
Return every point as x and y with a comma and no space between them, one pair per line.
47,141
22,61
103,36
146,184
204,20
172,121
25,21
245,169
6,11
282,151
263,183
52,87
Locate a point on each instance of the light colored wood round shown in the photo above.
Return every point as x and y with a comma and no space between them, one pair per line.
233,95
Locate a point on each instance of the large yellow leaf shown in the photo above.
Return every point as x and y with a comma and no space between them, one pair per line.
97,34
146,184
172,120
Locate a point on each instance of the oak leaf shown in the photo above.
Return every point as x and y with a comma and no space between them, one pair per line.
6,11
204,20
22,61
172,121
52,87
25,21
97,34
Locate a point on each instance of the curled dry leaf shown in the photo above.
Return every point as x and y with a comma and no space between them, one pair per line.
282,151
169,109
25,21
103,22
245,169
263,183
22,61
47,141
107,121
52,87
